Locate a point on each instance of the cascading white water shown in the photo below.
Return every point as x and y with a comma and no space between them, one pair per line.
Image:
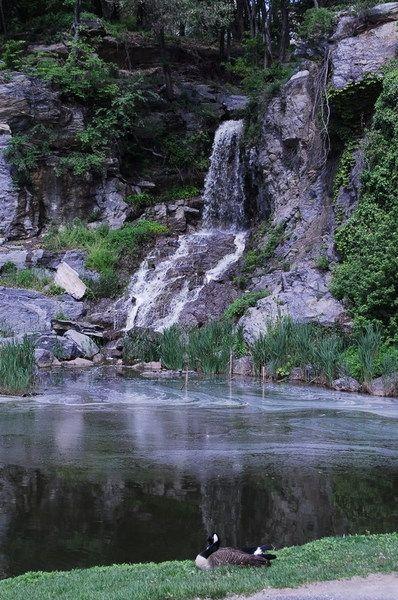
158,295
224,194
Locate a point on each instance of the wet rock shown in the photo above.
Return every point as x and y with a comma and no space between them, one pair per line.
153,366
383,386
62,347
297,374
69,280
346,384
79,363
86,346
113,349
44,358
243,366
27,311
98,358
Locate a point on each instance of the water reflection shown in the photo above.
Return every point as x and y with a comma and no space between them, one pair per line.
101,469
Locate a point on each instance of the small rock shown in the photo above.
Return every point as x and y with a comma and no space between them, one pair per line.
44,358
79,362
62,347
86,346
113,349
346,384
98,358
243,366
297,374
69,280
383,386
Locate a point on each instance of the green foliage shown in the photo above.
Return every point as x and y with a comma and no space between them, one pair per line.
368,241
80,163
82,76
182,192
26,151
322,262
108,285
210,348
258,257
320,560
172,349
17,367
239,306
188,152
141,200
317,23
12,53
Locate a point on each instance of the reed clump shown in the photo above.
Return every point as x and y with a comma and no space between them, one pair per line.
17,367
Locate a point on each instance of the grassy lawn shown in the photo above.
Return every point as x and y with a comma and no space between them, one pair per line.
329,558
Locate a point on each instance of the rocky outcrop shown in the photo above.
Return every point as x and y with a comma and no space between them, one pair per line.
290,174
27,311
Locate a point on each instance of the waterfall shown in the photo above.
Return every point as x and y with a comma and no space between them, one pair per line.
158,295
223,194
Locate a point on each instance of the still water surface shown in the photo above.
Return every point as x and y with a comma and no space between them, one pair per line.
101,468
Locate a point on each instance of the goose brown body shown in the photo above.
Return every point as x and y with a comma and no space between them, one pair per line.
214,556
233,556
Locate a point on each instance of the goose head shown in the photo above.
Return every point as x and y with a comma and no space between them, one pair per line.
214,539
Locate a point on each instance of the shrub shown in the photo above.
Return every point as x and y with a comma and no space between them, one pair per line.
141,200
183,192
25,151
317,23
17,367
12,53
108,285
238,308
322,262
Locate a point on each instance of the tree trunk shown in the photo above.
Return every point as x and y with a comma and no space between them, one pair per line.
285,33
264,15
222,43
3,19
168,80
240,19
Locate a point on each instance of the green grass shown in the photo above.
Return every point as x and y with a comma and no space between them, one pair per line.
17,367
30,279
322,560
239,306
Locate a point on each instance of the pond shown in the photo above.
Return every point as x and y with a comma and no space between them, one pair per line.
102,468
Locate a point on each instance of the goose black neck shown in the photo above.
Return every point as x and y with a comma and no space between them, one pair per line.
210,549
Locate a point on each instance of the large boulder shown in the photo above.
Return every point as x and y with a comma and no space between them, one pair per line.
44,358
62,347
383,386
346,384
69,280
27,311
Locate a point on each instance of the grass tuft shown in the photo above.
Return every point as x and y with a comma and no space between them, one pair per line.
17,367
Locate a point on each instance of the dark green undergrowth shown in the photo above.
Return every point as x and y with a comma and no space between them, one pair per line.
238,308
17,367
366,277
321,560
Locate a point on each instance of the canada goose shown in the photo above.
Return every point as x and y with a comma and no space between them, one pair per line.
213,556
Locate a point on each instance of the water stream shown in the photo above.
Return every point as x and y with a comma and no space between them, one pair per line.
164,285
101,469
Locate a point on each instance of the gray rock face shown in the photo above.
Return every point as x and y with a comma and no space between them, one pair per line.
24,97
109,197
26,311
86,346
346,384
353,57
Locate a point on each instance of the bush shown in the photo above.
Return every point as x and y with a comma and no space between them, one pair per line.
141,200
17,367
25,151
317,23
238,308
12,53
183,192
